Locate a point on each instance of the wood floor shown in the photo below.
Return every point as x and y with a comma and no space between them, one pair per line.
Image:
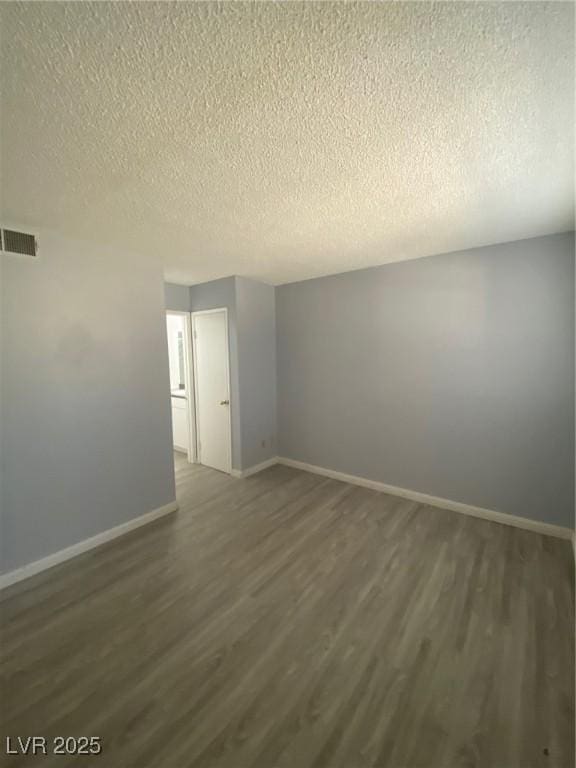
288,620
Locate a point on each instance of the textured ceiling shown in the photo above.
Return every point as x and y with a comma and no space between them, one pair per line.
284,141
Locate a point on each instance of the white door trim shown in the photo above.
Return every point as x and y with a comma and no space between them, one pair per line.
189,381
194,315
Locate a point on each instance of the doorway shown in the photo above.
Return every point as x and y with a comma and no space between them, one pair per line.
181,384
212,389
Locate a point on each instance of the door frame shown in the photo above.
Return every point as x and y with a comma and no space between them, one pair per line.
189,382
194,315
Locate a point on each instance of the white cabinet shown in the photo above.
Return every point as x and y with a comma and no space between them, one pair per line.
180,432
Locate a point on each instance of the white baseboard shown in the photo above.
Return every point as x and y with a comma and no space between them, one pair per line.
31,569
26,571
434,501
240,473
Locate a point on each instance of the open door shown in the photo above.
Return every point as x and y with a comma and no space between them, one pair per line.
212,388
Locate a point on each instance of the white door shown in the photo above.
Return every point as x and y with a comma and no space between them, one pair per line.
212,382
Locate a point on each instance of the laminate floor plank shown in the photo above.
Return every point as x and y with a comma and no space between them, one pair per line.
292,621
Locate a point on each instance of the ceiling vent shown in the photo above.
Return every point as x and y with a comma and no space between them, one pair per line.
18,242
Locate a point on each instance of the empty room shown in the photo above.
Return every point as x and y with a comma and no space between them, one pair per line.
287,384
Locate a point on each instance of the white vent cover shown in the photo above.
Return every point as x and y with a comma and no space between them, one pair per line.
21,243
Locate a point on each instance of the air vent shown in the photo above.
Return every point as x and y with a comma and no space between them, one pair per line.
18,242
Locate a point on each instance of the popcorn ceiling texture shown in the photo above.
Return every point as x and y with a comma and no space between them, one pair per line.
283,141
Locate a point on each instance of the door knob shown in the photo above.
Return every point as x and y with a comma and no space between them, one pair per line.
224,402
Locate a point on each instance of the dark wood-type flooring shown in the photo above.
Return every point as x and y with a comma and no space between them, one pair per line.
292,621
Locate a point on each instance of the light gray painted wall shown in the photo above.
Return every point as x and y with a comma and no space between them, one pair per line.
85,412
212,295
177,297
256,318
452,375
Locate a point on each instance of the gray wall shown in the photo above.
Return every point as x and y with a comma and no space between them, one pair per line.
451,375
86,437
256,318
177,297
